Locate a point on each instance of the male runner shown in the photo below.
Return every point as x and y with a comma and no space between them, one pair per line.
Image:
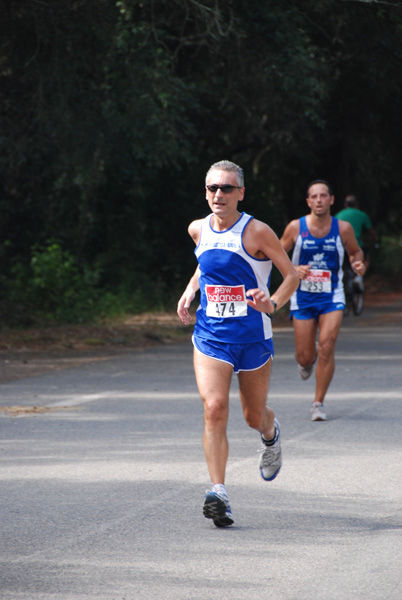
319,242
233,330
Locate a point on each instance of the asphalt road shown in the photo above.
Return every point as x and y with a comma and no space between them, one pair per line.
101,494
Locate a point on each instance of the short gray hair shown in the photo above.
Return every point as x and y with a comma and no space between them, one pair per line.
227,165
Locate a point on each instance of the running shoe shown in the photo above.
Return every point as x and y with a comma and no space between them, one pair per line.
217,508
305,372
317,412
271,457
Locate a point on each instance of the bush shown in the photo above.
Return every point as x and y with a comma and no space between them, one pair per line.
59,289
387,259
55,288
52,287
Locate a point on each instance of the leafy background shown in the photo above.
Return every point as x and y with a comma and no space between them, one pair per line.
112,112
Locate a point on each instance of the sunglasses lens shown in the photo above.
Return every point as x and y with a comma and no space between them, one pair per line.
226,189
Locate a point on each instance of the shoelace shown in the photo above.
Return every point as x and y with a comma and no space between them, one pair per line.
269,453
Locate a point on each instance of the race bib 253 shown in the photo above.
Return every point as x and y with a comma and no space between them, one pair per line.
317,281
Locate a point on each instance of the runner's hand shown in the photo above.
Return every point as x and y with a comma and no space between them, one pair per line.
303,270
358,267
260,301
183,305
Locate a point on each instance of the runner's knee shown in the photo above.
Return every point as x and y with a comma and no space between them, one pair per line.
326,349
215,411
305,356
254,418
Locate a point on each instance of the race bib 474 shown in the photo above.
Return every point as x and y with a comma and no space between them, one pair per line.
226,301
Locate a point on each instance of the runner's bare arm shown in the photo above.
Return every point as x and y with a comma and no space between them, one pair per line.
262,241
356,254
188,296
289,236
194,230
288,241
193,286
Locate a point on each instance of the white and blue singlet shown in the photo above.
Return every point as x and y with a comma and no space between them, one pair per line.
227,272
324,284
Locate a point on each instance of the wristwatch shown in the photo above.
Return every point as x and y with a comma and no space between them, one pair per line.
272,315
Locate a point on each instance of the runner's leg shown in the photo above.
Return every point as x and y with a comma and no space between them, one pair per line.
213,380
329,324
253,396
305,332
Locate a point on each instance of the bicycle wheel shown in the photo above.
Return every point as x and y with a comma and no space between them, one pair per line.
357,302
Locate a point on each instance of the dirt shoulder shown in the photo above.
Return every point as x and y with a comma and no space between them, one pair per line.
30,352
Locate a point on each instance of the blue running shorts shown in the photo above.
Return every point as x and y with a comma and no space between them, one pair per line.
242,357
315,310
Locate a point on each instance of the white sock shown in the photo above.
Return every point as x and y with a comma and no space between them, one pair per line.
219,488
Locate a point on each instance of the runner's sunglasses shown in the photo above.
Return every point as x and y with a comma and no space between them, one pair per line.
225,189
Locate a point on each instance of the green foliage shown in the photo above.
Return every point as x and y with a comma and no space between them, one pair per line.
51,288
111,117
387,260
54,288
57,289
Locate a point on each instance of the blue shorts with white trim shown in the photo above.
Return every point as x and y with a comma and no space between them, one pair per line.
315,310
242,357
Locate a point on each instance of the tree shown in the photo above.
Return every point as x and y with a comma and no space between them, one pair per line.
112,112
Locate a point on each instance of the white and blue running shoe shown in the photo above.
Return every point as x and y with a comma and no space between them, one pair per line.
217,508
271,456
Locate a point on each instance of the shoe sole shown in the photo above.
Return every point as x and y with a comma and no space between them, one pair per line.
272,476
318,419
214,508
225,522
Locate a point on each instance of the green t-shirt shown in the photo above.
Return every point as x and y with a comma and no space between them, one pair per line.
358,219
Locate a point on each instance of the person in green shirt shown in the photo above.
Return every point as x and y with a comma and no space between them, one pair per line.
360,222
